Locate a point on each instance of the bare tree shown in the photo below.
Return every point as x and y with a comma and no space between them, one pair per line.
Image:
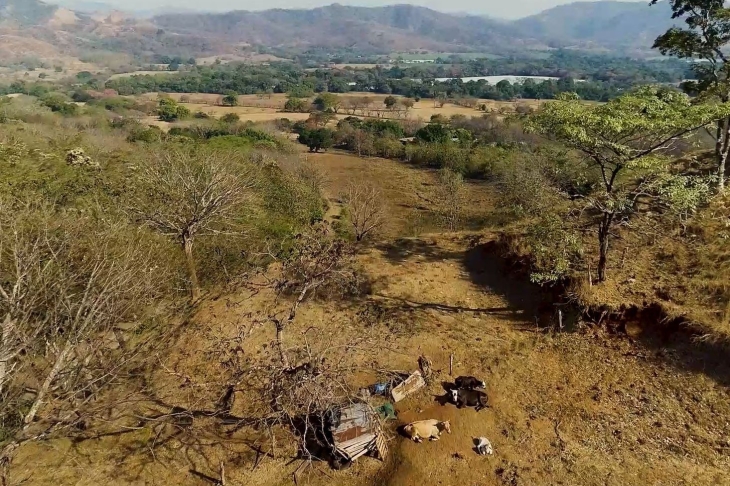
451,197
363,142
364,203
315,260
65,282
186,195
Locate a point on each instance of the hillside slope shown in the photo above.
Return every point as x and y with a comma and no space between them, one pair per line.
608,24
382,28
611,26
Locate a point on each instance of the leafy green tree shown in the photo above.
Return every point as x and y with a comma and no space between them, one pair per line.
705,37
59,103
434,133
168,110
295,105
230,99
328,102
390,102
623,141
317,139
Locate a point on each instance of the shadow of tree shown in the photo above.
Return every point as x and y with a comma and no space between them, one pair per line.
403,249
680,345
488,268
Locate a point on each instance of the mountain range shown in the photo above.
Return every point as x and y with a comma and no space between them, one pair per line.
622,27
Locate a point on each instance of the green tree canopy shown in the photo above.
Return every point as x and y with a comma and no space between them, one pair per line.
434,133
316,139
704,38
623,140
327,102
230,98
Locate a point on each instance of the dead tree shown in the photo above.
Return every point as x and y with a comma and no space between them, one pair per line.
315,260
451,197
186,195
65,281
365,208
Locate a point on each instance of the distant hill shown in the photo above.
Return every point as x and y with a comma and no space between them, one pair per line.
607,24
25,12
381,29
610,25
85,6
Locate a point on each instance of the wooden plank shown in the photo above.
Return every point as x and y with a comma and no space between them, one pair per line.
413,383
363,439
382,446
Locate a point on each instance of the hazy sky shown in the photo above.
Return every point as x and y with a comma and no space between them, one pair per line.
494,8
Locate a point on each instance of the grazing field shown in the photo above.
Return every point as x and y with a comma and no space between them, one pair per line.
270,107
139,73
582,408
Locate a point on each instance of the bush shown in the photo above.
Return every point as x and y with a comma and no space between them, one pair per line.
148,135
59,104
115,104
389,147
230,118
168,110
201,115
81,96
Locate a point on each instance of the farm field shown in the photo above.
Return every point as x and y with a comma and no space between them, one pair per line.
584,408
258,109
140,73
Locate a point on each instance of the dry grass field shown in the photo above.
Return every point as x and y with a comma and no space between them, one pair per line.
266,108
580,408
138,73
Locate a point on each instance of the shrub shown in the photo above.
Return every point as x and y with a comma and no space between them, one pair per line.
230,118
58,103
81,96
148,135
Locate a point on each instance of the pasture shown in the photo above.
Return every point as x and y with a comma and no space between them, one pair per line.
261,108
578,409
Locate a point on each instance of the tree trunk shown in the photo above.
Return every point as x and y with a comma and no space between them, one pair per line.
280,344
192,271
718,138
52,375
723,155
603,239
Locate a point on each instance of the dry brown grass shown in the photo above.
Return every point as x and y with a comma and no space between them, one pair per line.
138,73
582,409
265,108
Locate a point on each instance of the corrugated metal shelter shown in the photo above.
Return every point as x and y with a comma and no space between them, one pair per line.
356,431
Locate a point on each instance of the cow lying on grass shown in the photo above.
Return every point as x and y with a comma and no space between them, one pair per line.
469,383
469,398
426,429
